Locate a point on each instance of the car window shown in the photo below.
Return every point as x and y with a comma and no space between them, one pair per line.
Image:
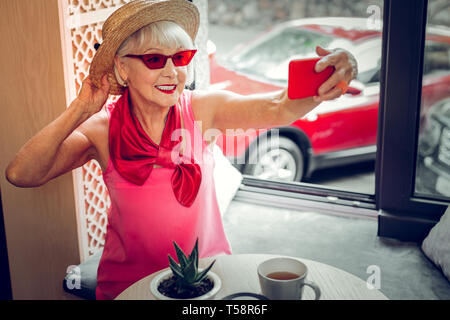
269,59
369,64
436,58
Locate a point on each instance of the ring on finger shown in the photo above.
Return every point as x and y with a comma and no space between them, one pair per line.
343,85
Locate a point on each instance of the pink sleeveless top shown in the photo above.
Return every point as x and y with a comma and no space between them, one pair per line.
143,221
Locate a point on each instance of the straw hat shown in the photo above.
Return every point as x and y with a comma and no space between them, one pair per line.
130,18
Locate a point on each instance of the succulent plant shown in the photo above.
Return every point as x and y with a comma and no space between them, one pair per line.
186,272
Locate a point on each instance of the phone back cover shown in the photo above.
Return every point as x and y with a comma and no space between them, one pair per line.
303,80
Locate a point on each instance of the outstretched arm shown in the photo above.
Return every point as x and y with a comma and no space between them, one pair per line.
228,110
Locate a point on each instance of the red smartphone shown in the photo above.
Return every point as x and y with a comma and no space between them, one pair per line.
304,81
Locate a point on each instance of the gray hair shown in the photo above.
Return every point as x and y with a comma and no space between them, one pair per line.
161,33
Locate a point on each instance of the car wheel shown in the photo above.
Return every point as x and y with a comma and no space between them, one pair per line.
281,162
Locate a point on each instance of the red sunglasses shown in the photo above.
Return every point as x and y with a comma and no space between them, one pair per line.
158,61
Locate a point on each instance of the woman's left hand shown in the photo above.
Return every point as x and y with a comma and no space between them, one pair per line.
346,70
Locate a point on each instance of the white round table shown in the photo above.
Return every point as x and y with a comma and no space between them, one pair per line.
238,274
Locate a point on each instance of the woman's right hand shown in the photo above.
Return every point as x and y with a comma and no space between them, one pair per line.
91,98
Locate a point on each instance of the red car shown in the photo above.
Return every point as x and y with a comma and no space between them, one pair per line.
337,132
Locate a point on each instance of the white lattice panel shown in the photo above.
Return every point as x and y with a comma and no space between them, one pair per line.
86,6
83,23
83,40
97,202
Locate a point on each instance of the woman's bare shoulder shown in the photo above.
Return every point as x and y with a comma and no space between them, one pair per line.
97,124
202,108
96,129
206,102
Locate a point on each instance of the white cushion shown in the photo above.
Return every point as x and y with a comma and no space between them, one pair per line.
436,245
227,179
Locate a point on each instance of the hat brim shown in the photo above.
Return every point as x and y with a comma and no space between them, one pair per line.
130,18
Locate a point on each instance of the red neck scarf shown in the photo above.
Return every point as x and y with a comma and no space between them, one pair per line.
133,153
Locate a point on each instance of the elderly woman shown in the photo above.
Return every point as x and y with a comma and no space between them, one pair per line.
160,179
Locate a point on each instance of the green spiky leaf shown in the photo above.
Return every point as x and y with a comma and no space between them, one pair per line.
181,256
173,263
175,268
204,273
186,271
194,254
190,272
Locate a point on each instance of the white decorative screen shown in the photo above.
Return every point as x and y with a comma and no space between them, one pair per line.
82,23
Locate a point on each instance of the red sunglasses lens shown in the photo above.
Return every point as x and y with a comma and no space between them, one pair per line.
155,61
183,58
158,61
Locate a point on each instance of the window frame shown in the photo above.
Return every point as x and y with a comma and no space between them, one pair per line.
399,118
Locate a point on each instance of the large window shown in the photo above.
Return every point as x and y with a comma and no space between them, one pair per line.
334,146
403,75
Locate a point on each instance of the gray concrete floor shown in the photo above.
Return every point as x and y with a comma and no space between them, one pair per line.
348,243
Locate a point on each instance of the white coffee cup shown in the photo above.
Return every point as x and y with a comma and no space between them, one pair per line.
284,279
